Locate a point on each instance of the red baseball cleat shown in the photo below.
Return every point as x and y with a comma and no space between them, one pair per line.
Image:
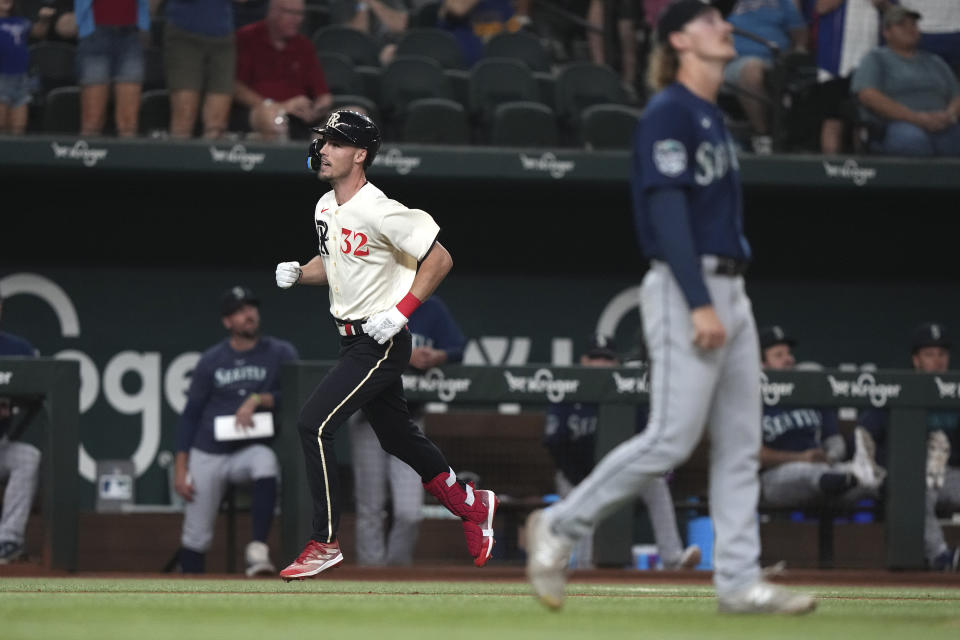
480,535
315,557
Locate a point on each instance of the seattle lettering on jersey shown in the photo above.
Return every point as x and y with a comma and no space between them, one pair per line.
223,377
713,162
776,425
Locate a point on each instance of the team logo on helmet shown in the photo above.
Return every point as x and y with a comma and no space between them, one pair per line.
333,120
670,157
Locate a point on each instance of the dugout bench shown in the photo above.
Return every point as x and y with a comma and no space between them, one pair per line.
907,396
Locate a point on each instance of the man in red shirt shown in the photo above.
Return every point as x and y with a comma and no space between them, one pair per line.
279,78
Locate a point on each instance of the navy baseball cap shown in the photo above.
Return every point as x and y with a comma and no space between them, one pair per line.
677,14
930,334
774,335
235,297
600,346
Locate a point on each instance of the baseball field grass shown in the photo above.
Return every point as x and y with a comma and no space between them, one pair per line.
69,608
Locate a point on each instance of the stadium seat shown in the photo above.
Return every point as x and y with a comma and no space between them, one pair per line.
459,81
316,16
54,63
522,46
356,45
524,124
494,81
369,78
582,84
61,111
608,126
408,78
346,101
154,112
426,15
547,83
436,121
339,72
438,44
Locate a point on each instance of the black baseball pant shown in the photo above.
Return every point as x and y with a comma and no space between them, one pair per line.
367,376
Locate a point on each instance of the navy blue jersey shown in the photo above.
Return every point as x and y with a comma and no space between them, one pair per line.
432,325
11,345
222,380
876,420
571,437
797,429
682,143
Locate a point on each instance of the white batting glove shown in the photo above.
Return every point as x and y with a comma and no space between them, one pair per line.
287,274
384,325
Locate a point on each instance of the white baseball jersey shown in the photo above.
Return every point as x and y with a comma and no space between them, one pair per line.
370,247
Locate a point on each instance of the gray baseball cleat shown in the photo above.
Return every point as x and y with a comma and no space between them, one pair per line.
548,556
764,597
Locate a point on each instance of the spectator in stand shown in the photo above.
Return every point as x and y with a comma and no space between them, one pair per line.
473,22
279,78
776,21
912,94
940,28
385,20
624,13
63,22
111,38
15,85
199,57
841,33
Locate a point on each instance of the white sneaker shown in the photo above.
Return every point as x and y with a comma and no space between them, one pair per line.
688,559
864,466
938,452
764,597
258,560
548,555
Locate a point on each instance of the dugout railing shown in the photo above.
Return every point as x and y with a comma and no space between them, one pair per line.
906,395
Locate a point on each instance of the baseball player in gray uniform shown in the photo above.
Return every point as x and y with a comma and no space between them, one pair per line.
698,324
379,260
19,461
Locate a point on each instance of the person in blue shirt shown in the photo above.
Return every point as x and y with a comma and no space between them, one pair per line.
437,340
19,462
697,321
15,83
238,377
776,21
930,353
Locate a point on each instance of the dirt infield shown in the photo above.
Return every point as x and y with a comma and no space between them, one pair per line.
448,573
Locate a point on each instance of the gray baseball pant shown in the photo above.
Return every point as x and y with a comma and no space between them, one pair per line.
375,473
210,474
691,389
797,484
946,496
21,462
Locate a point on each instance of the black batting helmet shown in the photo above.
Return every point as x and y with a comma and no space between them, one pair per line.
354,128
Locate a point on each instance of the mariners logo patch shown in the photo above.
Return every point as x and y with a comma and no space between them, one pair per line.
670,157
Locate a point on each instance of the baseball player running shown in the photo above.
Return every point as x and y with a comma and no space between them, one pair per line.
380,260
698,325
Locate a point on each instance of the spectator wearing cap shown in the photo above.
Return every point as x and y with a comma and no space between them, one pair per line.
930,353
236,385
279,79
570,438
912,95
802,456
19,462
